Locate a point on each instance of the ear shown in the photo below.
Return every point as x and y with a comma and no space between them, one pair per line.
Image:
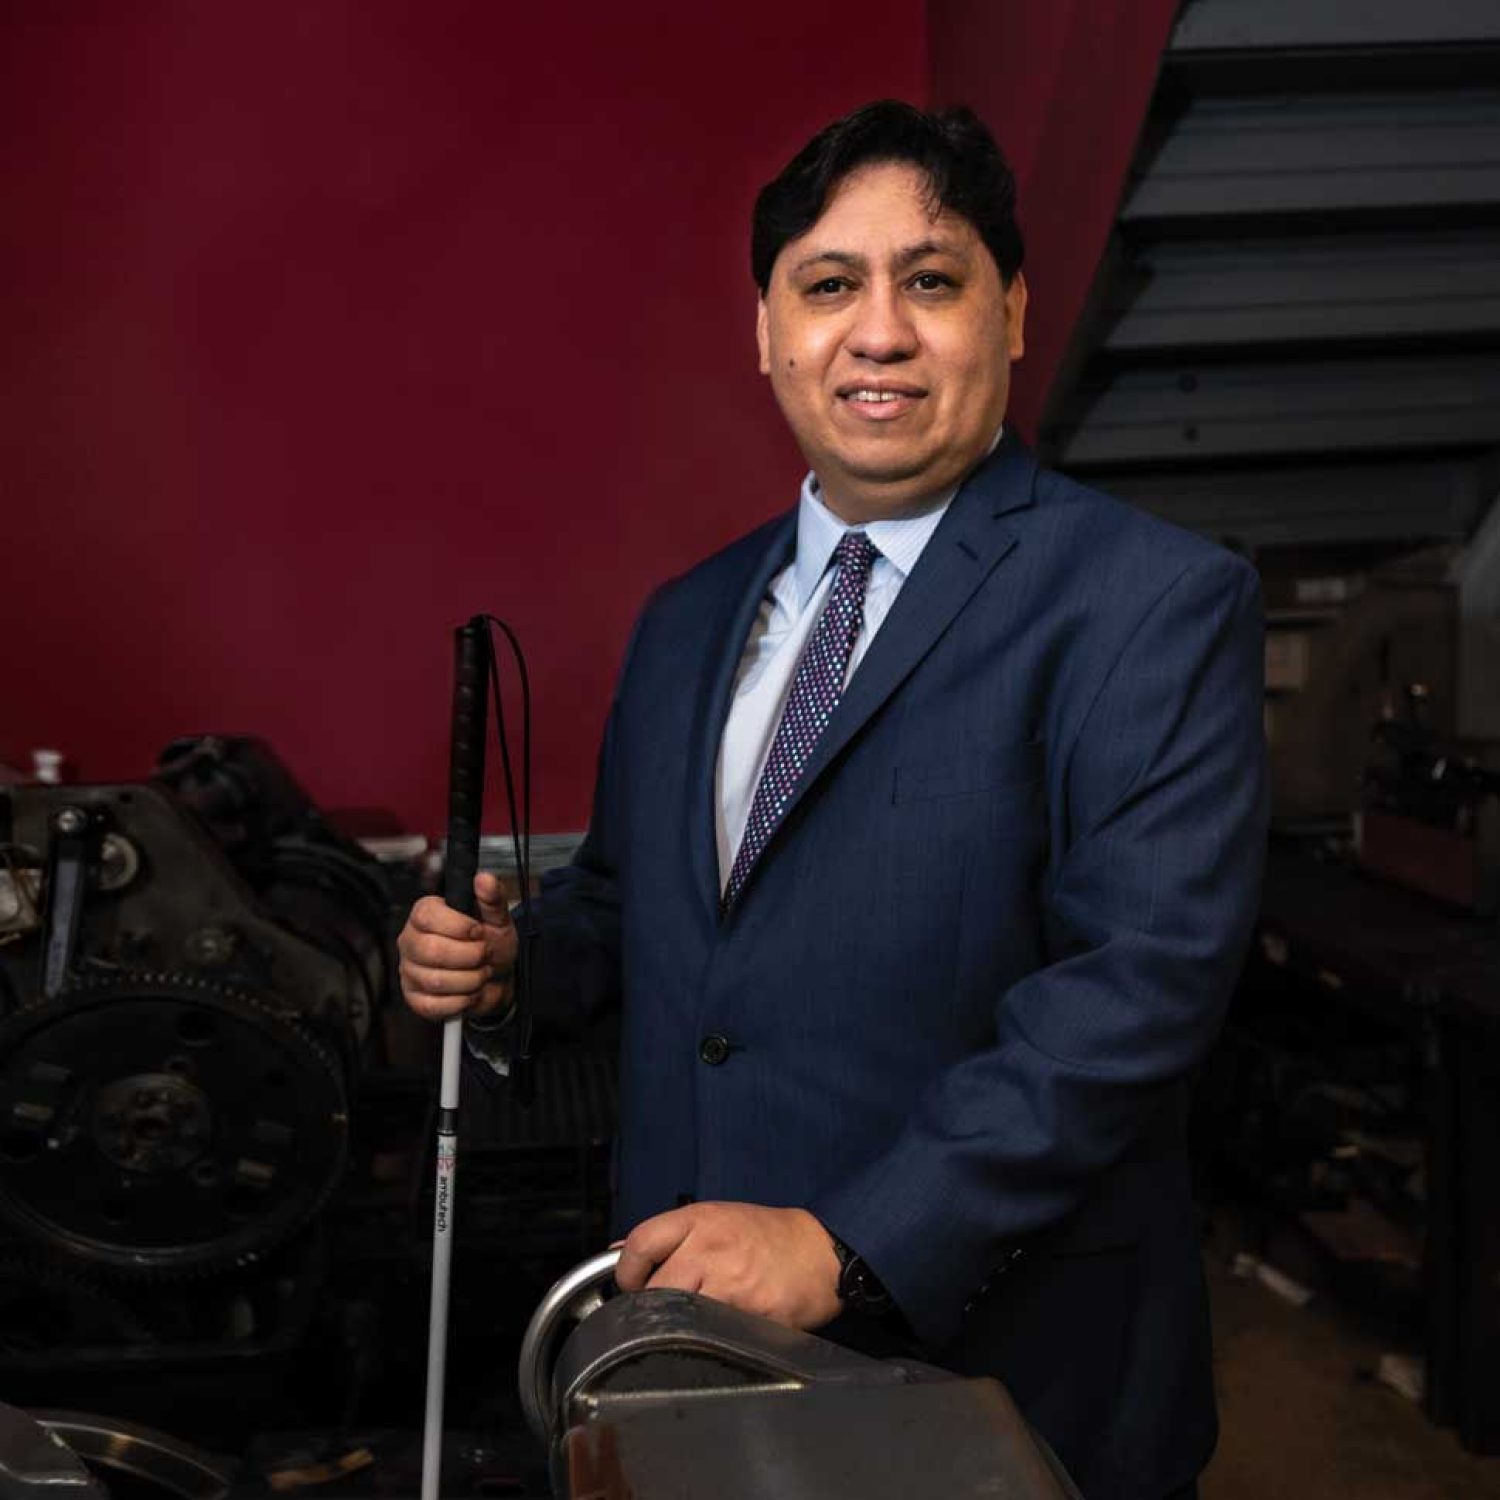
1015,316
763,335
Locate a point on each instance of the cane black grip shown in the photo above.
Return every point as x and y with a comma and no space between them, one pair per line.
471,644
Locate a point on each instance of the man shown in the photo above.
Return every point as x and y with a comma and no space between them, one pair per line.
925,844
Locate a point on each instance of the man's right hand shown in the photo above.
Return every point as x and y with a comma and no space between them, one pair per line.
453,965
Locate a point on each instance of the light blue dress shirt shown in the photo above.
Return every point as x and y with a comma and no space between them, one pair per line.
788,614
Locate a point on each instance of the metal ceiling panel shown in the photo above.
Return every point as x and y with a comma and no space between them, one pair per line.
1243,293
1440,499
1142,416
1295,337
1231,25
1397,152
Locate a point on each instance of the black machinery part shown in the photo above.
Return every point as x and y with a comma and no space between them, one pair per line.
165,1123
47,1304
190,969
310,879
138,1463
35,1464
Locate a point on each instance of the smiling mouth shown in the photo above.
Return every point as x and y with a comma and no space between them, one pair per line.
880,403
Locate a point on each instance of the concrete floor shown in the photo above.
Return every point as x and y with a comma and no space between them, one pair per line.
1300,1418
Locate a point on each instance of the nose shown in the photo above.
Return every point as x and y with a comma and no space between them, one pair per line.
883,329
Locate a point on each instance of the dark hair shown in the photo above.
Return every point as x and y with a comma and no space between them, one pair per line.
965,172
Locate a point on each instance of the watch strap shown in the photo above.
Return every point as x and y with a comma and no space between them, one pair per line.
859,1288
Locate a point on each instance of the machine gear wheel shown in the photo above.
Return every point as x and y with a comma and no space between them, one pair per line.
44,1305
165,1124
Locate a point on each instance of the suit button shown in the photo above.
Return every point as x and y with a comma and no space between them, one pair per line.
713,1049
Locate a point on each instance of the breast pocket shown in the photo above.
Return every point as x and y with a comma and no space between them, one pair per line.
1017,765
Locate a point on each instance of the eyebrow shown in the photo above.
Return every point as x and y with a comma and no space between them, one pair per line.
920,251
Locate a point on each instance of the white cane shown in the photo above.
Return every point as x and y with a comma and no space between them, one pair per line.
465,803
442,1258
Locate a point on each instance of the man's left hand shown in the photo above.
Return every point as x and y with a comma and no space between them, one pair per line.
775,1262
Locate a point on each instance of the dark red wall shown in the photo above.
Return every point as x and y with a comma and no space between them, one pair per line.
1065,85
328,325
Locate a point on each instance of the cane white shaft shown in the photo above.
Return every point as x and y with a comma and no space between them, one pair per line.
442,1257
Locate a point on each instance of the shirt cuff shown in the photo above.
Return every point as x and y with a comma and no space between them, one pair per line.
491,1042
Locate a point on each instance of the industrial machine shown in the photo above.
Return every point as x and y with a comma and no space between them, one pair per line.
188,979
1431,814
214,1117
671,1395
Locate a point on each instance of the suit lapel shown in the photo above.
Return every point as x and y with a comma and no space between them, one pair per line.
744,587
968,544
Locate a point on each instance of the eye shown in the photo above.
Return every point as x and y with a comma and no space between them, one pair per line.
931,281
829,286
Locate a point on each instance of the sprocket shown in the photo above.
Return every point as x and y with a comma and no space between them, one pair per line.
45,1304
163,1124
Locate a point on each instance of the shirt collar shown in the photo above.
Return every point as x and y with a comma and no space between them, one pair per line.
819,531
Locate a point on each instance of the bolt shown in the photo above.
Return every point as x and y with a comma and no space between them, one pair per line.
71,820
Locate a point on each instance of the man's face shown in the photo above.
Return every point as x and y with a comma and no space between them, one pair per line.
888,338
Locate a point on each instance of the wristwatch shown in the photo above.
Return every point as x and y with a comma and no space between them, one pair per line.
859,1288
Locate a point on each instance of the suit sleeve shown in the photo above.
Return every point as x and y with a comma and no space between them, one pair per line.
1148,908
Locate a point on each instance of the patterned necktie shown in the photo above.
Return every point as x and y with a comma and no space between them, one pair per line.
816,689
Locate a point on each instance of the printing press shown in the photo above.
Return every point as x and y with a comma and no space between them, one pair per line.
215,1206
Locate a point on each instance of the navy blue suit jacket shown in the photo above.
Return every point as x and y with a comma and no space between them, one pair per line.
966,985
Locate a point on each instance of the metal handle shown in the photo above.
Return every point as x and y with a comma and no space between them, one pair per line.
569,1302
118,1448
